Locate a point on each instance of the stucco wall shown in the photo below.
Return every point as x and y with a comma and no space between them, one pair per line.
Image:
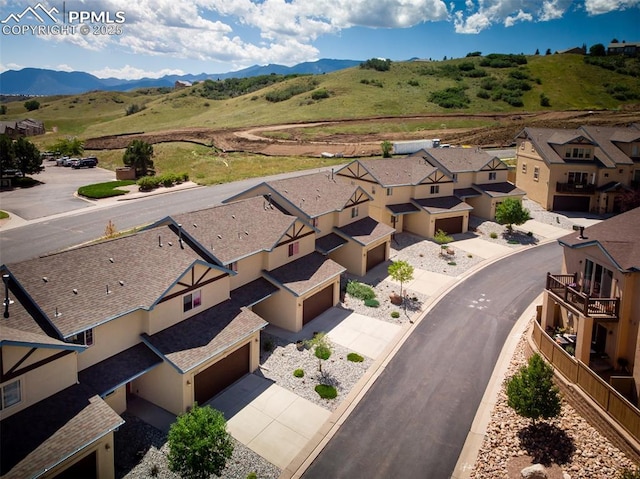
105,464
249,269
280,309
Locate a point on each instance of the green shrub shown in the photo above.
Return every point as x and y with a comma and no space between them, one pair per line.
395,314
454,97
452,263
268,345
320,94
413,83
493,235
360,290
376,64
355,358
371,303
132,109
544,100
252,475
323,352
167,180
148,183
290,91
627,473
298,373
326,392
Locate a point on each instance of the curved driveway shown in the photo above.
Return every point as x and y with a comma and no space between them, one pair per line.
415,418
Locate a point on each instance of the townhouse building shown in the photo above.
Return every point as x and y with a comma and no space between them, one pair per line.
431,190
587,169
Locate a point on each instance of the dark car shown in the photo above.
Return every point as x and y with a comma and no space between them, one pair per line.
89,162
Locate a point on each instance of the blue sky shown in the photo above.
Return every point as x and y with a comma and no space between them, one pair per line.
150,38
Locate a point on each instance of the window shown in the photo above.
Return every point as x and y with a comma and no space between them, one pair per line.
84,338
294,248
578,177
435,189
524,168
492,175
191,301
577,153
389,191
597,280
234,266
11,394
314,222
536,173
354,212
455,176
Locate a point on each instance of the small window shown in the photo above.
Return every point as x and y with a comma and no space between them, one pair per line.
389,191
294,248
314,222
354,212
455,176
435,189
234,266
536,174
85,338
11,394
191,301
492,175
524,168
606,175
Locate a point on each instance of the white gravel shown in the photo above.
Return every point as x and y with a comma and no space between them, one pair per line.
278,364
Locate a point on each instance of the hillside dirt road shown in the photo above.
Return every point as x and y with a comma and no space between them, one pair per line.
292,139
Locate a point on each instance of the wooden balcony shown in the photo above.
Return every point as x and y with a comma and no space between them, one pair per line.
566,290
576,188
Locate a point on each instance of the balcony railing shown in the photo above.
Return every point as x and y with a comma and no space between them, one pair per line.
565,288
578,188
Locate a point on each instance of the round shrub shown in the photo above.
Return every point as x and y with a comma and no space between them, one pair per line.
493,235
148,183
360,290
355,358
326,392
395,314
322,352
372,303
298,373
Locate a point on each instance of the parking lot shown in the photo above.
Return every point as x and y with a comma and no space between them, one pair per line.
54,194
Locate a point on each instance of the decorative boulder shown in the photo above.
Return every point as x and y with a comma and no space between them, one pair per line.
537,471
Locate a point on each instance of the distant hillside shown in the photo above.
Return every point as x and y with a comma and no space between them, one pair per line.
37,81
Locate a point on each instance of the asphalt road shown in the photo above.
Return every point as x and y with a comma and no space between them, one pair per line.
414,420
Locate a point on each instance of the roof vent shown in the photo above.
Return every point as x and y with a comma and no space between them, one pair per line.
233,216
169,243
160,241
7,301
75,291
195,225
121,283
57,314
108,290
45,279
110,260
219,236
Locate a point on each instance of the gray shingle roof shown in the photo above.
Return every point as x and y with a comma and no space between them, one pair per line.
145,269
496,190
329,243
609,153
365,231
193,341
403,208
304,274
456,160
618,236
395,171
37,438
315,194
236,230
442,204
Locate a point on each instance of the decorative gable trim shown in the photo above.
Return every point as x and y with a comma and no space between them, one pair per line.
296,231
494,164
190,282
436,177
357,171
15,370
358,197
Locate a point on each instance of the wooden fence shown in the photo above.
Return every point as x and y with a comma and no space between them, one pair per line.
617,406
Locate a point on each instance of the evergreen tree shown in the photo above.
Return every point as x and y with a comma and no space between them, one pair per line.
138,155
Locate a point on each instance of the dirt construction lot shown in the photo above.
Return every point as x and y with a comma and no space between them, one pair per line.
260,140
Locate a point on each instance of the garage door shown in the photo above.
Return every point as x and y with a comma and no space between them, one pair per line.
450,225
571,203
376,255
85,468
317,304
222,374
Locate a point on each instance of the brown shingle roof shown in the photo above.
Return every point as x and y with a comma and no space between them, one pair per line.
304,274
39,437
193,341
236,230
609,153
145,269
617,236
543,138
365,231
329,243
315,194
442,204
396,171
456,160
496,190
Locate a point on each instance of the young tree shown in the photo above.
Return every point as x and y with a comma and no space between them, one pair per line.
138,155
199,444
321,347
386,146
597,50
27,157
68,146
400,271
511,212
31,105
531,392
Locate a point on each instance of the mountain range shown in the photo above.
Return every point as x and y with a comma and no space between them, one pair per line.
38,81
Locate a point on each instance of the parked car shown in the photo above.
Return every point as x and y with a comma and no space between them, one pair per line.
70,161
60,161
89,162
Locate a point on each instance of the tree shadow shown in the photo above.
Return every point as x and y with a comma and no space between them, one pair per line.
519,237
547,443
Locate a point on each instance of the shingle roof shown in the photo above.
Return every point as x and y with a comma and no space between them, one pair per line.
496,190
365,231
77,280
315,194
236,230
466,193
193,341
329,243
617,236
119,369
304,274
13,336
442,204
37,438
396,171
457,160
403,208
609,153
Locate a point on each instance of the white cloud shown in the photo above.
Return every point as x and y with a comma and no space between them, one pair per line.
132,73
508,12
598,7
10,66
